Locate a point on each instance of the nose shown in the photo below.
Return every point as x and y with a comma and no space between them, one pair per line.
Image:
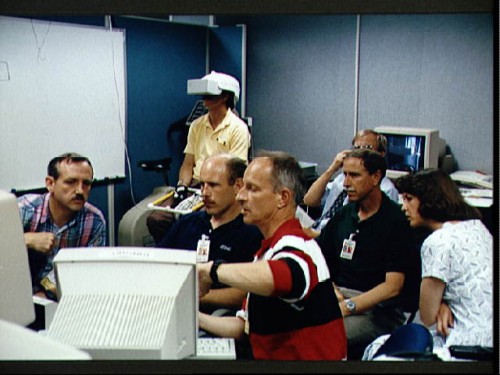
80,188
240,195
403,206
203,189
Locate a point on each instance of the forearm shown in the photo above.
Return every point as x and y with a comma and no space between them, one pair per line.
185,176
224,297
380,293
29,240
431,296
255,277
226,326
317,189
186,170
428,315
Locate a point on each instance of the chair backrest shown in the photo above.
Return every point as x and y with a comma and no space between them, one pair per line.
411,340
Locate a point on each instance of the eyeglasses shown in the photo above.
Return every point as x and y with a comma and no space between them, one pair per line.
357,147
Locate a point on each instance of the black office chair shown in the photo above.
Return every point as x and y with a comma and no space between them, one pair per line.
162,166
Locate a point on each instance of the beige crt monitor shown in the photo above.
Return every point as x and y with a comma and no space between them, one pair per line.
127,302
17,309
411,149
16,301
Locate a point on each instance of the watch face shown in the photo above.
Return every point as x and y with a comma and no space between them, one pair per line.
350,305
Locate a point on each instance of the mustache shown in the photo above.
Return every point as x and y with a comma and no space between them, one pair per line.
79,197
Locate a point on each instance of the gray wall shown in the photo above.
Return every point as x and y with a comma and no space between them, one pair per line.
433,70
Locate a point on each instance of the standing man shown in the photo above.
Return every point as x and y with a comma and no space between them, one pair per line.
60,218
290,312
219,130
369,248
218,232
330,193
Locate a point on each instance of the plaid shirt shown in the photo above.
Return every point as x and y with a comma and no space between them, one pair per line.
86,229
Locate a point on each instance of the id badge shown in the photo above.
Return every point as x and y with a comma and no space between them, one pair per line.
203,249
348,248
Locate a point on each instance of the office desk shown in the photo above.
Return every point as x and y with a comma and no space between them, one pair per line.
482,199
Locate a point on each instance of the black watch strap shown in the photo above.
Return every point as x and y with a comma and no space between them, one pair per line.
213,270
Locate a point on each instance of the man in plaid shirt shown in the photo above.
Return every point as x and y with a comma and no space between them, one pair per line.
60,218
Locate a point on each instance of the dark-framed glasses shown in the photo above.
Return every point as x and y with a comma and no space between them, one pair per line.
357,147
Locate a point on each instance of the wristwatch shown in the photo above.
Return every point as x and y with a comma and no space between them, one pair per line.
350,305
213,270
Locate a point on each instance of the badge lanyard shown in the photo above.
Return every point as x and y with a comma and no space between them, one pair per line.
203,249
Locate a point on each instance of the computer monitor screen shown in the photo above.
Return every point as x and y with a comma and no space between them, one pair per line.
127,302
410,149
16,299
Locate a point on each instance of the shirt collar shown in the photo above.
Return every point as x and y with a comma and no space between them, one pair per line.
289,227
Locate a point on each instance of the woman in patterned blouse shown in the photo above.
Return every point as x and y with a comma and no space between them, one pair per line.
456,293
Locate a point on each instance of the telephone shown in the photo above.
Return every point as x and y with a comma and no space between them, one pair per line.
473,178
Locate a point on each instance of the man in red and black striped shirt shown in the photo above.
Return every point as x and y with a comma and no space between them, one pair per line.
291,311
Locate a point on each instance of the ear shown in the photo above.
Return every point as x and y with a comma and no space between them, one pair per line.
238,184
49,183
285,198
377,177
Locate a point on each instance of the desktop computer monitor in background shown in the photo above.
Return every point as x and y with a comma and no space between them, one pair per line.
411,149
127,302
16,301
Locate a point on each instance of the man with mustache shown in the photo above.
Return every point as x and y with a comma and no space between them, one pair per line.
290,312
218,232
370,250
219,130
60,218
329,194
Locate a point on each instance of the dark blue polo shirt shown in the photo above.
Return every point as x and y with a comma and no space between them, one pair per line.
233,242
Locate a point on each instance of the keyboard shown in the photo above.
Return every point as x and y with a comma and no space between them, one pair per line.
215,348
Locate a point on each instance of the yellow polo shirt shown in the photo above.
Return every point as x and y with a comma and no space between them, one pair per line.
231,136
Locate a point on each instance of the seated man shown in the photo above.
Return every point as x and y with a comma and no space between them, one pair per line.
60,218
218,232
368,245
290,312
220,130
330,193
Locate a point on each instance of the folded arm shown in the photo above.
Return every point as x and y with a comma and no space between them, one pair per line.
390,288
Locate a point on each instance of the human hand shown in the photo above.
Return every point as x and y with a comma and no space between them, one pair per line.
204,279
338,293
181,192
338,161
42,242
444,320
313,233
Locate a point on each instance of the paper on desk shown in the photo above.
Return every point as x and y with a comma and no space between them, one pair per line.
479,202
476,193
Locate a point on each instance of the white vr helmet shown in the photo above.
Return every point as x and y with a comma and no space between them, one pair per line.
213,84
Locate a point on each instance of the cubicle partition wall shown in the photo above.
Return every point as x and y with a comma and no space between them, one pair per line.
308,81
314,79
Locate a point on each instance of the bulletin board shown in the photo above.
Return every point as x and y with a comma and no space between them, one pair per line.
62,89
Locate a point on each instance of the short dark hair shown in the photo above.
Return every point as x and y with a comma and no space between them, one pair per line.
440,198
286,173
53,167
230,100
372,160
235,169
